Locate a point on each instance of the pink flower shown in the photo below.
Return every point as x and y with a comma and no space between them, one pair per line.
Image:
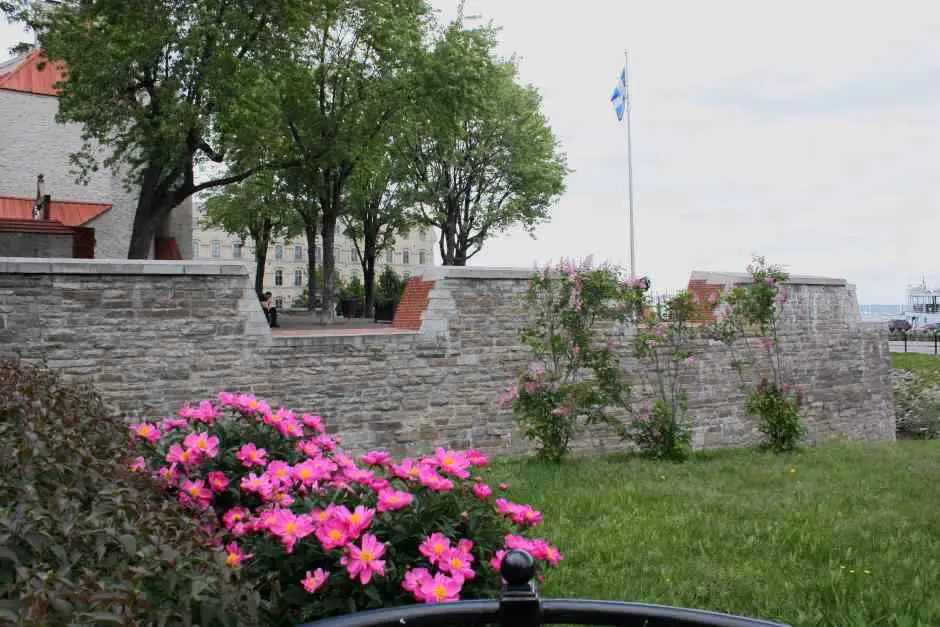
359,475
174,423
314,422
453,463
332,534
376,458
146,431
259,485
477,458
497,561
465,545
227,399
363,562
139,464
205,413
439,589
195,492
457,564
290,527
504,486
217,481
234,555
314,580
542,550
309,448
234,516
690,361
482,491
435,547
518,543
250,455
325,442
519,514
433,481
279,473
356,521
391,500
407,469
415,578
310,471
168,474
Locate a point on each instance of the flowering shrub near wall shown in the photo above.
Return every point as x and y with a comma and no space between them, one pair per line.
321,533
665,349
574,376
753,309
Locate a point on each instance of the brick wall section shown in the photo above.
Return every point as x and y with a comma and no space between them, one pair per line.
413,304
152,335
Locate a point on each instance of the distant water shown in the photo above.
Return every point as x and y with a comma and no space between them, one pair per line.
879,312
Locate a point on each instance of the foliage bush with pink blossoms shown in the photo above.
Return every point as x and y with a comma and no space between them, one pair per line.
320,533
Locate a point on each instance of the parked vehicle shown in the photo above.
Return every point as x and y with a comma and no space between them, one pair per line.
899,325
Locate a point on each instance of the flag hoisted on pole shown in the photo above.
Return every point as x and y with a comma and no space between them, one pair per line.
621,101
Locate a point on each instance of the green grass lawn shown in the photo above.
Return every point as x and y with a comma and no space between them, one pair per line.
916,362
843,534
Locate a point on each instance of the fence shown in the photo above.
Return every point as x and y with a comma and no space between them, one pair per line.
924,342
520,606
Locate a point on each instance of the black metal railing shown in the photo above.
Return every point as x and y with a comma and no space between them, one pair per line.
520,606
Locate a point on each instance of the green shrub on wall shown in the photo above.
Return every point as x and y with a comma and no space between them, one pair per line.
84,541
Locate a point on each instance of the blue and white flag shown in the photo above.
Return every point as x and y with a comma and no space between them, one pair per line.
620,98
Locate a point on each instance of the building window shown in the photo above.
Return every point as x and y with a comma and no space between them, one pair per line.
317,254
237,249
404,257
298,252
353,257
422,257
279,302
279,252
196,249
279,277
389,256
298,278
216,249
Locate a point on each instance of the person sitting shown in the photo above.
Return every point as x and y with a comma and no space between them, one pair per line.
270,310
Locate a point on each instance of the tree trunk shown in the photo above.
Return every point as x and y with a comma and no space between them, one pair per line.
261,242
148,215
368,284
261,259
311,232
328,235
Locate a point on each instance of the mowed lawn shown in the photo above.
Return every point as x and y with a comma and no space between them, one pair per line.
916,362
841,534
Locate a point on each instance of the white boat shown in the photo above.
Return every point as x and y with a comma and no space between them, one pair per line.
923,305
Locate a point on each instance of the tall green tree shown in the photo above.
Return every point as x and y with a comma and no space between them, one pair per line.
345,87
484,158
168,86
257,209
375,214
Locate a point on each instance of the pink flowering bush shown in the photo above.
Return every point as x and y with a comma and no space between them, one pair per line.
666,349
574,376
750,310
320,532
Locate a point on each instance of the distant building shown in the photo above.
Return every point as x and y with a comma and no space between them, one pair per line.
286,273
32,143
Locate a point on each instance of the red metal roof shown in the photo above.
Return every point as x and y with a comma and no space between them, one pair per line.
69,213
27,77
34,226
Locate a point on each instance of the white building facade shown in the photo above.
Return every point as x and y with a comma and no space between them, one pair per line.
286,269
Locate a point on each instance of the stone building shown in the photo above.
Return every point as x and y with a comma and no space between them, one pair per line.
32,143
286,266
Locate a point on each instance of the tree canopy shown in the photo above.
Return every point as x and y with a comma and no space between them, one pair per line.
483,157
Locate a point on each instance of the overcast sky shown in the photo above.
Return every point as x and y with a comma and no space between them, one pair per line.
805,131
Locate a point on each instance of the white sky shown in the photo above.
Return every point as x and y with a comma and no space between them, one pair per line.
804,131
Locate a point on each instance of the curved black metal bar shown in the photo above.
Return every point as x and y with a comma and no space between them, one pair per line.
483,612
579,612
520,606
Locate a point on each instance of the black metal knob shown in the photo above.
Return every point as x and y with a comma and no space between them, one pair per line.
518,568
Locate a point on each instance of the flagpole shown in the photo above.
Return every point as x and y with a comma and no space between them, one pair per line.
626,72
